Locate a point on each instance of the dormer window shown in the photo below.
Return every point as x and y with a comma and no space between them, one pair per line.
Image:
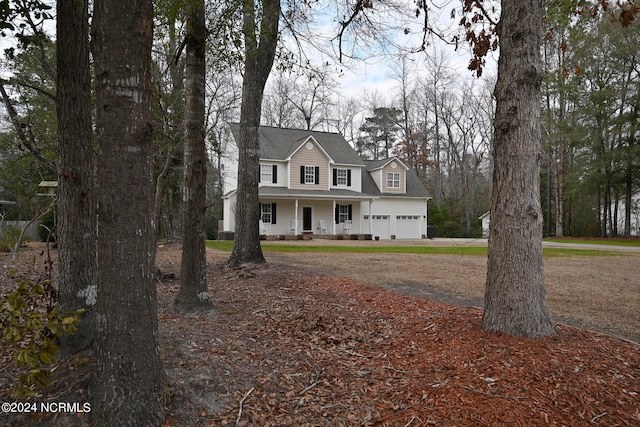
393,179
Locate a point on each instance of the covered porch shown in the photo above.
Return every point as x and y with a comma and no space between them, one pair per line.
334,215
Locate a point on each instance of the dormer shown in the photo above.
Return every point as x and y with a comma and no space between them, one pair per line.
390,175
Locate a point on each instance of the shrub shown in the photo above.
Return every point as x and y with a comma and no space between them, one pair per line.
9,238
32,327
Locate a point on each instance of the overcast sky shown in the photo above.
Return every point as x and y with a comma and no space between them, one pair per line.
373,71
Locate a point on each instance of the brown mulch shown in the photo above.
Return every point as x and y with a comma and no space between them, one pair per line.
291,349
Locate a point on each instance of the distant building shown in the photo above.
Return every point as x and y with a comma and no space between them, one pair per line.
486,219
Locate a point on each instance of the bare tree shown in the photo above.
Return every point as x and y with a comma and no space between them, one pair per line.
277,107
260,49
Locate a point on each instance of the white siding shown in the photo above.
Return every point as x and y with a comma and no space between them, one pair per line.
399,207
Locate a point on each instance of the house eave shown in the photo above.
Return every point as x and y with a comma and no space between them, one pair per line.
289,194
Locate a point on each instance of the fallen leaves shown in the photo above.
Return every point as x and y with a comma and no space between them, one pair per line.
287,348
330,351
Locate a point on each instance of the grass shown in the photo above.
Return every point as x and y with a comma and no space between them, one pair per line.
226,245
612,241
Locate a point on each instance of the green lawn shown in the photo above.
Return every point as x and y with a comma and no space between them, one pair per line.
613,242
226,245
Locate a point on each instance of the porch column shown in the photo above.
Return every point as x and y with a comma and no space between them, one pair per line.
371,217
295,220
333,220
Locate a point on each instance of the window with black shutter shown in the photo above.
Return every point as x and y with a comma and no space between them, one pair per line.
342,177
343,213
268,213
309,175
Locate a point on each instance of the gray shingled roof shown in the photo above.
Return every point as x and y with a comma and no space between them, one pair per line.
279,144
415,188
333,193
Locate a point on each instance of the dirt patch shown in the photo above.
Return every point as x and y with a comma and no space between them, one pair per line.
287,347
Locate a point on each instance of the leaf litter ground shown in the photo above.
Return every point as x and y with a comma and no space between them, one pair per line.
289,348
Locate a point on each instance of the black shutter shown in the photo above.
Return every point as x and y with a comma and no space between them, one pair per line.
348,177
274,173
301,174
317,170
259,174
350,212
337,214
335,177
273,213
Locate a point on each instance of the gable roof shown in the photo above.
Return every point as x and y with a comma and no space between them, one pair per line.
415,188
314,142
381,163
280,144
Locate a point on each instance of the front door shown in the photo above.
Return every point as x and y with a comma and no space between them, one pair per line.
307,222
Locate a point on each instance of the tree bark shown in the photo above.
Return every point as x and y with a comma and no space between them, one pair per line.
128,375
194,293
259,56
76,201
515,296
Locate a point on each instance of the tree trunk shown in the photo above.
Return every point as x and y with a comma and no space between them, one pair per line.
629,170
128,376
515,296
76,202
559,174
173,136
194,294
259,56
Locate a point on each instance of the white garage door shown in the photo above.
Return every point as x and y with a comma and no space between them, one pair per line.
408,227
380,226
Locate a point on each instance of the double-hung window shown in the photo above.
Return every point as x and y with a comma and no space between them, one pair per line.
343,213
268,213
393,179
269,174
341,177
309,175
265,212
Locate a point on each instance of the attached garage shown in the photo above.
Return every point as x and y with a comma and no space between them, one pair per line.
408,227
381,226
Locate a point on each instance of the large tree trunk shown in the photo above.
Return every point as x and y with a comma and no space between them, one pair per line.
259,56
515,297
194,294
128,376
76,203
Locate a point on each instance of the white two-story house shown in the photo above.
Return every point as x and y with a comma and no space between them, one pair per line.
315,183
